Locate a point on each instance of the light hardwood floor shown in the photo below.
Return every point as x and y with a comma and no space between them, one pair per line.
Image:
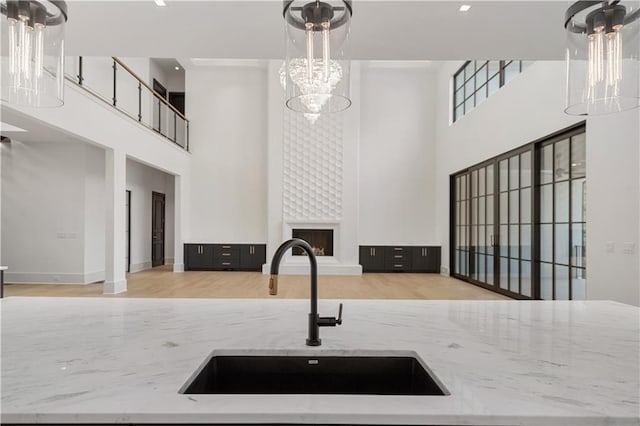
162,282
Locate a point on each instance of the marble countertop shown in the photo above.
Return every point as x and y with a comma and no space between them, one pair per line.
103,360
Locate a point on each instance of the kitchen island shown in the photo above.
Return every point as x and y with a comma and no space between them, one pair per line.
117,360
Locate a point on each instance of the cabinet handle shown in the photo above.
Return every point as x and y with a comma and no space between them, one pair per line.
226,254
398,256
226,263
374,251
397,266
252,250
397,248
226,247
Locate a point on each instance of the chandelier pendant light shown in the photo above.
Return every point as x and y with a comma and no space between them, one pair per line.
33,52
602,57
315,74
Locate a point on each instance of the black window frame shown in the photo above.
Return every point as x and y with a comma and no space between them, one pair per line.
469,72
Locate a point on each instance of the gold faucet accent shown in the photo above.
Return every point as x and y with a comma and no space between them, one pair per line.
273,285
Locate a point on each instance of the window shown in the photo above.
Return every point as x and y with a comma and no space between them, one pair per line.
475,81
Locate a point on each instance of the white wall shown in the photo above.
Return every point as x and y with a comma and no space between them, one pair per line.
531,107
613,211
46,212
142,181
397,155
228,112
176,80
94,209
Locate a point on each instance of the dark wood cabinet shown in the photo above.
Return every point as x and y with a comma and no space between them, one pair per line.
224,257
424,259
397,259
253,256
372,258
198,257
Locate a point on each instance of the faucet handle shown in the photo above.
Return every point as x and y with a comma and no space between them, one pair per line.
331,321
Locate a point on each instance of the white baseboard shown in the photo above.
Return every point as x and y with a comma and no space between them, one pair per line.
323,269
94,277
444,270
178,267
115,287
142,266
52,278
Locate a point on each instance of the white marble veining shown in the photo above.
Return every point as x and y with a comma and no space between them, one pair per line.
504,362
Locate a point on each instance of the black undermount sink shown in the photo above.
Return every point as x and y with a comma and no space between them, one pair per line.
402,374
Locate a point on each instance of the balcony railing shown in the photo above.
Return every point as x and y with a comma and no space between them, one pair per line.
110,80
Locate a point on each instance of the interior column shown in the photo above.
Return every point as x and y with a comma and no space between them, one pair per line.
115,186
178,240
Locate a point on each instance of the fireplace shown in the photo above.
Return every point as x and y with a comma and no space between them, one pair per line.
321,240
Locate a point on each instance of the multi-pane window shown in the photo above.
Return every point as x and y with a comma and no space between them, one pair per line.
477,80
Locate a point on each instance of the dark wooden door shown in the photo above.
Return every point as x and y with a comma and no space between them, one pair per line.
177,100
157,229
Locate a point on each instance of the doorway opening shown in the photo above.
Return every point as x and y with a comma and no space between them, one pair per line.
128,230
157,228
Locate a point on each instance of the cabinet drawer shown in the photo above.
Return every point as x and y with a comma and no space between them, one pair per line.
226,264
397,256
397,266
222,251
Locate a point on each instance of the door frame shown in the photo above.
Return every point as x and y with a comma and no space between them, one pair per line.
128,198
155,194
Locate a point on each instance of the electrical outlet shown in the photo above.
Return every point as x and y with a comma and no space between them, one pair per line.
610,247
629,248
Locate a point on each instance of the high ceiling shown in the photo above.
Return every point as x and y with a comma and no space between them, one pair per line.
380,30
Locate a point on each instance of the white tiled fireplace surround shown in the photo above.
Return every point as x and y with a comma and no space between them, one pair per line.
313,171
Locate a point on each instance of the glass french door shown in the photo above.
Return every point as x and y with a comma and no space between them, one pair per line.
493,224
460,225
482,248
519,220
515,203
562,184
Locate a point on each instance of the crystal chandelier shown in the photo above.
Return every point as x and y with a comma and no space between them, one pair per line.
33,52
602,57
315,74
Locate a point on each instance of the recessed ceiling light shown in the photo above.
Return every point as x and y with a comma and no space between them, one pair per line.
160,2
177,68
465,8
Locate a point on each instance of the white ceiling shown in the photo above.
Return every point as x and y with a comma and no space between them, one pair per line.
380,30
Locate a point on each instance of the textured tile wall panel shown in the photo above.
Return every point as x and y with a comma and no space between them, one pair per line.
313,166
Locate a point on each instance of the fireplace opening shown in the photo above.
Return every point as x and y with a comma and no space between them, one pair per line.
320,240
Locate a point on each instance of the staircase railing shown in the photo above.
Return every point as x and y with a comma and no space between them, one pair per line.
112,81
